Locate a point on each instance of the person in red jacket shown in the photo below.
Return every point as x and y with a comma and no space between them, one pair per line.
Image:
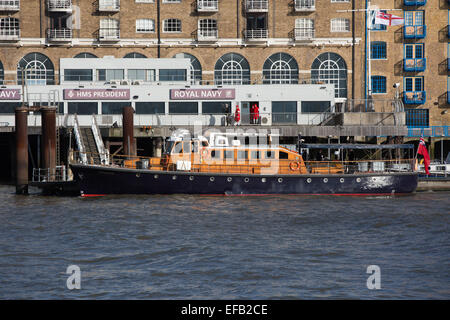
256,114
252,114
237,115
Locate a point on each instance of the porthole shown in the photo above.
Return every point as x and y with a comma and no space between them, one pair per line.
325,180
155,176
138,175
280,180
341,180
308,180
191,178
229,179
211,179
246,179
174,177
263,179
358,179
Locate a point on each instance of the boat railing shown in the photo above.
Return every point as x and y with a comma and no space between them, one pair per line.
252,166
56,174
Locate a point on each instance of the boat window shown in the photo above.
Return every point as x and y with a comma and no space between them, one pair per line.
284,155
187,147
215,154
270,155
228,154
242,155
256,155
195,147
204,143
177,148
168,146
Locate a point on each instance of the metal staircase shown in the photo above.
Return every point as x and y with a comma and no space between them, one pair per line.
90,143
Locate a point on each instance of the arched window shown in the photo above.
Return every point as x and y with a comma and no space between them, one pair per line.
330,67
232,68
196,67
37,68
134,55
280,68
85,55
2,73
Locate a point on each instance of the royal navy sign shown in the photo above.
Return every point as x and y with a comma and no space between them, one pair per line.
202,94
96,94
9,94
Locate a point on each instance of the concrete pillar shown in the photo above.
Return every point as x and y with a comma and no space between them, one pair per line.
21,116
128,131
48,143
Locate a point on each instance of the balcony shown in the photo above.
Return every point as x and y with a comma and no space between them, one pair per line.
207,35
59,5
108,34
415,32
207,5
304,34
414,64
256,35
9,5
9,34
257,5
109,5
59,35
414,3
304,5
414,97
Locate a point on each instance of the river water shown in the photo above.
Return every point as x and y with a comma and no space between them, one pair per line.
202,247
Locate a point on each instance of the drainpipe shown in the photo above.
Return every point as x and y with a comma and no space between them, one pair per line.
158,24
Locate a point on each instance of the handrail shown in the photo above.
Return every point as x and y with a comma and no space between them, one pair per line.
104,154
79,139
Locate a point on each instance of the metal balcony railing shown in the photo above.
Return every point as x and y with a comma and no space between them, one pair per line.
109,5
63,34
415,32
108,34
9,33
305,5
59,5
414,64
414,2
256,34
207,35
304,34
207,5
257,5
414,97
9,5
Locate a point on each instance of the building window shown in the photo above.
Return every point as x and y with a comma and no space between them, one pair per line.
145,1
417,118
145,25
196,67
414,18
378,84
150,108
134,55
207,28
232,68
77,75
183,107
9,27
340,25
413,84
38,69
315,106
377,27
141,74
84,55
172,25
172,75
109,29
329,67
280,68
304,28
114,107
378,50
414,51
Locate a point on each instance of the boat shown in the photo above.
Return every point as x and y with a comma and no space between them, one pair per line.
239,164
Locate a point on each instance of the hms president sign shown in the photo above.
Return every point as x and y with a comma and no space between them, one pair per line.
96,94
202,94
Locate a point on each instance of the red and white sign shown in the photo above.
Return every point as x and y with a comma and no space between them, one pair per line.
9,94
388,19
202,94
96,94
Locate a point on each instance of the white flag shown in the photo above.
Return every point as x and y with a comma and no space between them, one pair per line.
388,19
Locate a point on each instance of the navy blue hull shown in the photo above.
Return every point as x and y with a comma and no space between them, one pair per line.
97,180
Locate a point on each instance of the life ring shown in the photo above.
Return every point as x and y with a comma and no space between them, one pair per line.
294,166
205,153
